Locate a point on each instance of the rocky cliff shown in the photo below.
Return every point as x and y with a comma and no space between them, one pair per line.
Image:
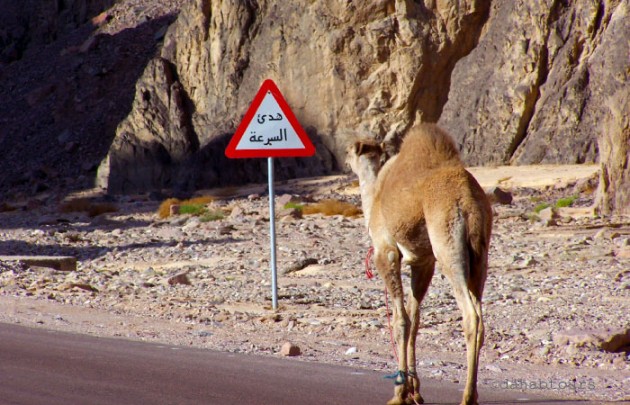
345,68
535,88
514,82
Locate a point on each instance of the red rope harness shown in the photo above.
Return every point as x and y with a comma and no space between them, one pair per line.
368,271
370,275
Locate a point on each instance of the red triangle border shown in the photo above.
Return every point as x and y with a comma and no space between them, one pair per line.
269,86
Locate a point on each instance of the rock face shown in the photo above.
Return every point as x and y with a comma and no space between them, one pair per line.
344,68
535,88
515,82
84,82
614,139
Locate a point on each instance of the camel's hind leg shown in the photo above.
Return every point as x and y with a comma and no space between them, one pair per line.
470,305
421,274
467,276
387,260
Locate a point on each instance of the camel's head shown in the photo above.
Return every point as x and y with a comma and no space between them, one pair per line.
365,155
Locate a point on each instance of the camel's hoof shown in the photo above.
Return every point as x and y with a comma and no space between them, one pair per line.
471,402
396,401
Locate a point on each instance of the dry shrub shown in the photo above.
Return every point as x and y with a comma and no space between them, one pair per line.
85,205
164,211
165,208
202,200
332,207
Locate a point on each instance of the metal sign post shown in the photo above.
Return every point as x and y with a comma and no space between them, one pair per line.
269,129
272,235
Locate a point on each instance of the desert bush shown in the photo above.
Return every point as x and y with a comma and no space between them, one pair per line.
194,206
293,205
566,201
332,207
192,209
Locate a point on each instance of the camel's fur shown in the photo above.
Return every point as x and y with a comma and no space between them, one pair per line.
422,206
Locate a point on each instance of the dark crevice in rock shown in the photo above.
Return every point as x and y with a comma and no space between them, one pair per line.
530,105
533,95
187,107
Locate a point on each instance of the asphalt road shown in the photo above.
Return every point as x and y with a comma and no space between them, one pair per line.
39,366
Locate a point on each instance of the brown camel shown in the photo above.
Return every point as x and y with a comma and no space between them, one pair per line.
422,206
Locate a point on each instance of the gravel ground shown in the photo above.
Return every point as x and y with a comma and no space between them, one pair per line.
556,304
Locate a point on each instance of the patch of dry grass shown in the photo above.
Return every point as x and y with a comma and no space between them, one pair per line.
332,207
197,205
202,200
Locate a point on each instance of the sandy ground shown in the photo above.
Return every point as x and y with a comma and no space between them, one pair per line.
557,289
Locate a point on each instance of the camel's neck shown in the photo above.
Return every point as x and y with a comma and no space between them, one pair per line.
367,185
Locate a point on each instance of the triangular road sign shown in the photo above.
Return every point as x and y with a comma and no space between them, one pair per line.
269,129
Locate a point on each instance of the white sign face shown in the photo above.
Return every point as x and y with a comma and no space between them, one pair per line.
269,129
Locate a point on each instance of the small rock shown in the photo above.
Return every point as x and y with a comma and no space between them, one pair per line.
180,278
351,350
226,230
289,212
494,368
300,264
237,212
290,349
496,195
547,215
623,253
191,224
284,199
608,340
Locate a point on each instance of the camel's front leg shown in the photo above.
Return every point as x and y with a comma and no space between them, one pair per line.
401,325
421,274
388,265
